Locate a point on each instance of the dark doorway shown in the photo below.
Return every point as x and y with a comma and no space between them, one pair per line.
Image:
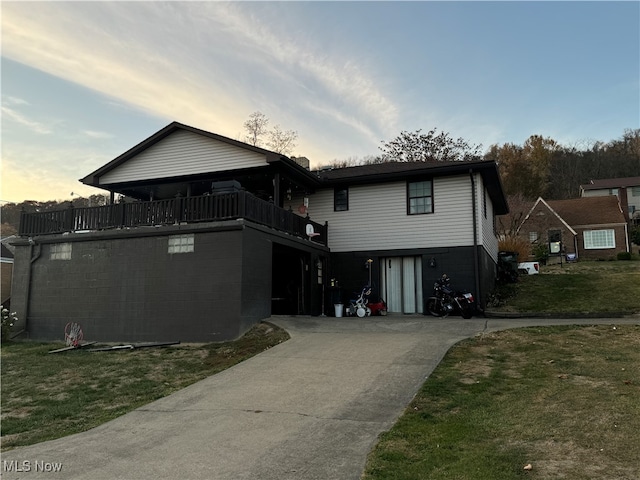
290,292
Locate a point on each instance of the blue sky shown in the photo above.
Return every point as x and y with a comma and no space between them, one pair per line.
82,82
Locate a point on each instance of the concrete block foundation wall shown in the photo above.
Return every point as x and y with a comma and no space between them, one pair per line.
123,287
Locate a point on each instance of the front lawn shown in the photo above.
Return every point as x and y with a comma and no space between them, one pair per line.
537,403
47,396
576,288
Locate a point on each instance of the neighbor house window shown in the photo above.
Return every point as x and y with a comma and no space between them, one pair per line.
555,241
599,239
533,237
181,243
341,199
419,197
61,251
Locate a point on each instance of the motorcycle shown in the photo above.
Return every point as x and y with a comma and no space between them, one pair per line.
446,300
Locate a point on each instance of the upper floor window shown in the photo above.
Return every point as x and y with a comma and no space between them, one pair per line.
60,251
340,199
181,243
533,237
419,197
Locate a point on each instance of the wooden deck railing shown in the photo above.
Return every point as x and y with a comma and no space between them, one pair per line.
206,208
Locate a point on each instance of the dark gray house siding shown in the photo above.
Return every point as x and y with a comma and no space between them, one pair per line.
457,262
125,286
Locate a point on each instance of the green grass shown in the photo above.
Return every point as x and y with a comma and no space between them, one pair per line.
584,287
47,396
562,399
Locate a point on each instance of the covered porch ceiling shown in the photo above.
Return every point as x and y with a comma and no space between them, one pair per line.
274,182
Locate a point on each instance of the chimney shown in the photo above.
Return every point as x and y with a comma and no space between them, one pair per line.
624,202
302,161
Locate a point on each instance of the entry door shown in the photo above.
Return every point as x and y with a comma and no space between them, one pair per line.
402,284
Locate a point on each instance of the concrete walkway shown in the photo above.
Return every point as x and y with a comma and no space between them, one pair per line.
310,408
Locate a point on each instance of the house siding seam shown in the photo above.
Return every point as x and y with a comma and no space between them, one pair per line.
377,217
183,153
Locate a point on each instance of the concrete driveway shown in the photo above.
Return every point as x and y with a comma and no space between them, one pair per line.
310,408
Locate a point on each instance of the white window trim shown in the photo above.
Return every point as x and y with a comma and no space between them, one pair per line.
599,239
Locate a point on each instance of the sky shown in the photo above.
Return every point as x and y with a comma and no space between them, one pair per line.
83,82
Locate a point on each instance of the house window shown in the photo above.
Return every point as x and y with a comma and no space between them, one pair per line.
555,241
599,239
340,199
419,197
181,243
635,191
533,237
60,251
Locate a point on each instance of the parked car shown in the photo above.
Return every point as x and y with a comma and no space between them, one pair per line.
529,268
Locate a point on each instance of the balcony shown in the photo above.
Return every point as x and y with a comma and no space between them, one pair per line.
206,208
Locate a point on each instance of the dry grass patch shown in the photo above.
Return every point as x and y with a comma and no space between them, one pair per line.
49,396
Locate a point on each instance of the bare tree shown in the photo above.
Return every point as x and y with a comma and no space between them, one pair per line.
282,141
256,127
277,139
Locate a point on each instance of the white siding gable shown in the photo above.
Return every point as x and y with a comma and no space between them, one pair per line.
183,153
377,217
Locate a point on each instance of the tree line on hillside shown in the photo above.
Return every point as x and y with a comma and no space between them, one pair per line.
10,212
541,167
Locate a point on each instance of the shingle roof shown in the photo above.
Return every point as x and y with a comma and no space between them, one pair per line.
383,169
612,183
589,210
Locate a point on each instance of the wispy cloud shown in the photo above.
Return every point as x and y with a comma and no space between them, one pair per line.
196,62
9,100
343,78
34,126
97,135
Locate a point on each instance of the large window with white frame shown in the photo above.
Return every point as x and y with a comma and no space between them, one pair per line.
596,239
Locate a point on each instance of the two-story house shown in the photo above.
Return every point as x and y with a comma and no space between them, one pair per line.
205,236
626,189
